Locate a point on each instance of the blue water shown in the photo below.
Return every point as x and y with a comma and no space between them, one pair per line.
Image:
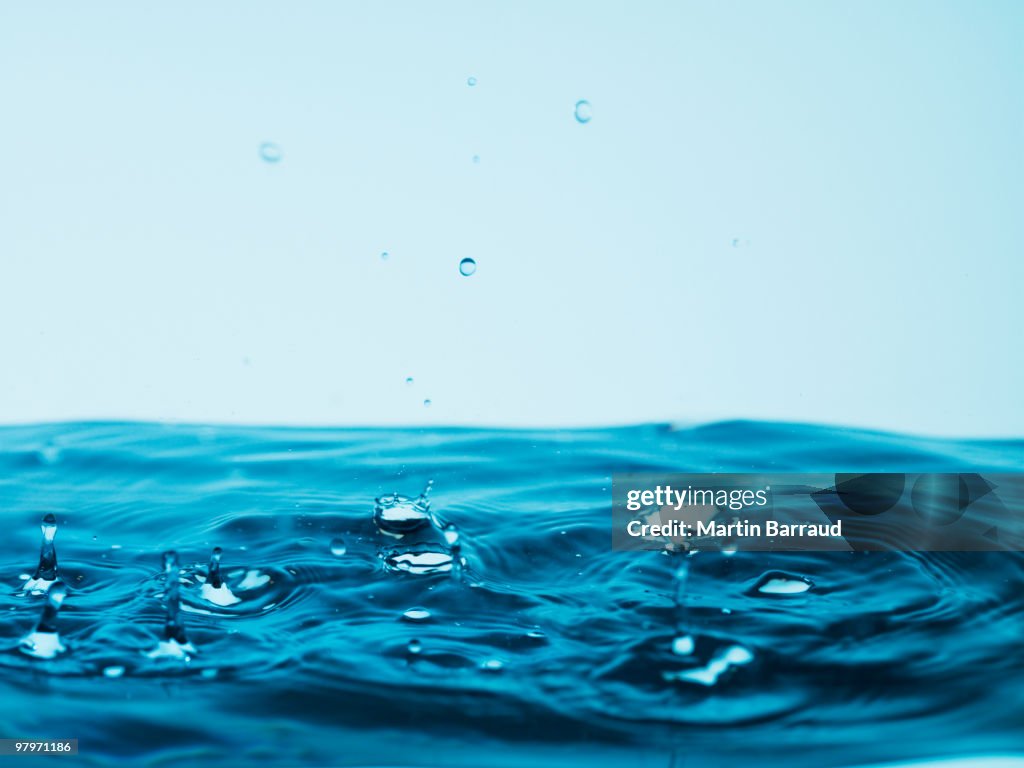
534,643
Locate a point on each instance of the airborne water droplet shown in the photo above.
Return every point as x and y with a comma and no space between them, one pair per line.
338,547
451,534
427,403
583,111
467,267
471,81
408,379
270,152
682,645
384,255
414,647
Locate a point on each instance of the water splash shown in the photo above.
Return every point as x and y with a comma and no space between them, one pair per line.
214,590
419,563
398,516
721,662
778,583
46,572
175,644
44,642
683,644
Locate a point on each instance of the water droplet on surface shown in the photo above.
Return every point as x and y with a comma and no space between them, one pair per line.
467,267
416,614
471,81
338,547
682,645
583,111
782,584
270,152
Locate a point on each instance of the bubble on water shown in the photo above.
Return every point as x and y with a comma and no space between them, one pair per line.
471,81
271,152
416,614
451,534
414,647
427,403
782,584
115,671
338,547
583,111
683,645
467,267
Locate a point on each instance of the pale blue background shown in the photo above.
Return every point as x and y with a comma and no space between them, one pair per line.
865,155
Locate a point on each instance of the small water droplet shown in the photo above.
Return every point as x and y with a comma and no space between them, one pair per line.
471,81
113,671
416,614
384,255
414,647
476,158
451,534
467,267
492,665
338,547
270,152
535,634
682,645
408,379
427,403
583,111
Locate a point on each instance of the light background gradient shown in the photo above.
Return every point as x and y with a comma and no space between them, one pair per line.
867,157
